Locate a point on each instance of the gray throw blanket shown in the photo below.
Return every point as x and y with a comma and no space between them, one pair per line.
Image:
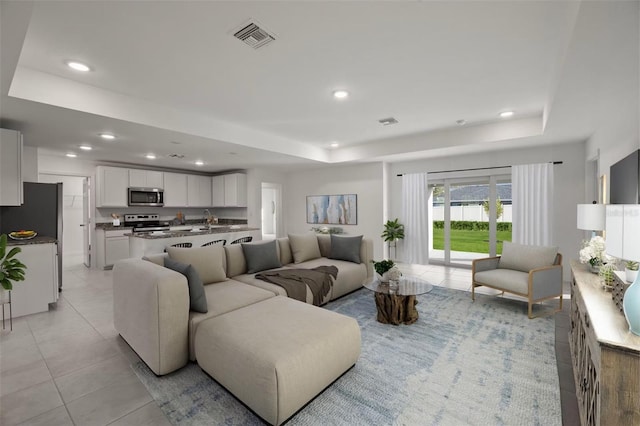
296,281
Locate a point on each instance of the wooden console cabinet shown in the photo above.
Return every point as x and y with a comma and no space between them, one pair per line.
605,354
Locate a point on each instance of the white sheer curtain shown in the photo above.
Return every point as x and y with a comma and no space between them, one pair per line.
532,195
415,197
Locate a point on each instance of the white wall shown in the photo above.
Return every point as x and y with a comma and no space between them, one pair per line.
568,192
617,91
365,180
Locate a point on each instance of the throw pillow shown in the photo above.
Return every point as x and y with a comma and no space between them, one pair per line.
521,257
261,256
197,297
304,247
346,248
209,261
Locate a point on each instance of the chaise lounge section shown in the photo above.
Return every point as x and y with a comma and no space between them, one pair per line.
250,337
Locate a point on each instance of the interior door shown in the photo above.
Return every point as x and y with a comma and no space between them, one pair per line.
86,221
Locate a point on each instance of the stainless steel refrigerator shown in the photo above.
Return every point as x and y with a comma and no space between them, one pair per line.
40,212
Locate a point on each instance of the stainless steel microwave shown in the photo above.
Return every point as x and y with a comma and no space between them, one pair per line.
146,197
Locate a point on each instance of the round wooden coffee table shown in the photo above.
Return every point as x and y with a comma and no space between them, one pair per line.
398,306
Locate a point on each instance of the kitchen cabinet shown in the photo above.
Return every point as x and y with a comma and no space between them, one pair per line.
146,179
175,190
10,168
235,190
112,184
40,285
112,245
229,190
198,191
217,191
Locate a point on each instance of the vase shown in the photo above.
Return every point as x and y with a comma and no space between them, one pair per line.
4,295
595,269
631,306
384,278
630,276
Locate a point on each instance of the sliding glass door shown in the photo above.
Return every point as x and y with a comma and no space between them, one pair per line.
471,217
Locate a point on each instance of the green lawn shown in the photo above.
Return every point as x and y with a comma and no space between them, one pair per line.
469,241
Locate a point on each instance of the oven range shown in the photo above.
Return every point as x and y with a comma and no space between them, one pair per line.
145,222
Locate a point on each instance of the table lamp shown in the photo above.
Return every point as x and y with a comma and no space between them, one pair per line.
591,217
623,241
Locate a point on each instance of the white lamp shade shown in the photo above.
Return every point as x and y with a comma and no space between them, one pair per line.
623,231
591,217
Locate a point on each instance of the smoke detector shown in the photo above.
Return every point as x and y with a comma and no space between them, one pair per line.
254,35
387,121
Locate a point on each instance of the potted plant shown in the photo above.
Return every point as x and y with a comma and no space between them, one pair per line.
387,270
607,274
393,231
631,271
11,269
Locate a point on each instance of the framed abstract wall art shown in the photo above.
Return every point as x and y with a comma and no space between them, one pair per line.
332,209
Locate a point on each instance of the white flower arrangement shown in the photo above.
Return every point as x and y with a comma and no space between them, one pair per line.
593,251
394,273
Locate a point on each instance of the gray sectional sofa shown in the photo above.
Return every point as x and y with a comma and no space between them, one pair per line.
252,337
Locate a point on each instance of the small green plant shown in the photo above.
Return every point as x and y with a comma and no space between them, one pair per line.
607,274
631,265
393,231
382,266
11,269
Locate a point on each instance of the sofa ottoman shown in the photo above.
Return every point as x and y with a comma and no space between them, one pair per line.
277,355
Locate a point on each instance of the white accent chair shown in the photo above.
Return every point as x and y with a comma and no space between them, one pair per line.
533,272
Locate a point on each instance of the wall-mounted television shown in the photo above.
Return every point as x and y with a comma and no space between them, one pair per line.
625,180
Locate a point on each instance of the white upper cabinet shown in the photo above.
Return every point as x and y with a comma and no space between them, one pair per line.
198,191
175,190
235,190
10,168
217,190
146,179
112,184
229,190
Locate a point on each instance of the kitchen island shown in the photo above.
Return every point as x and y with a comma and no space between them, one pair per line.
40,285
143,243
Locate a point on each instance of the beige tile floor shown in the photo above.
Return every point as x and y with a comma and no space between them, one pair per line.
68,366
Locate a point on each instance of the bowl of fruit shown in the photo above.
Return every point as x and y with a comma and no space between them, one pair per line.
22,235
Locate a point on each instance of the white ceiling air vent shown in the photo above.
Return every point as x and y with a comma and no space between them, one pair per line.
254,36
387,121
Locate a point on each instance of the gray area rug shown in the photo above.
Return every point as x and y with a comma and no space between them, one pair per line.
481,363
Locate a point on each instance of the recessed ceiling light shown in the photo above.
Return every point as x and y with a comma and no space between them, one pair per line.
340,94
107,136
461,122
151,156
78,66
334,144
199,163
506,114
71,155
86,147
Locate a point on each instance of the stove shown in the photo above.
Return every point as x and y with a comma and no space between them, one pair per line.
145,222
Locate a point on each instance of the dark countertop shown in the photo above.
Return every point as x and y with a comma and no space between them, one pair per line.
35,240
108,226
173,234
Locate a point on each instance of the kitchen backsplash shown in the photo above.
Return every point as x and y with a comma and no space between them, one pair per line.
192,215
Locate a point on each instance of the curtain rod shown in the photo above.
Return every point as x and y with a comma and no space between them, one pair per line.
477,168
